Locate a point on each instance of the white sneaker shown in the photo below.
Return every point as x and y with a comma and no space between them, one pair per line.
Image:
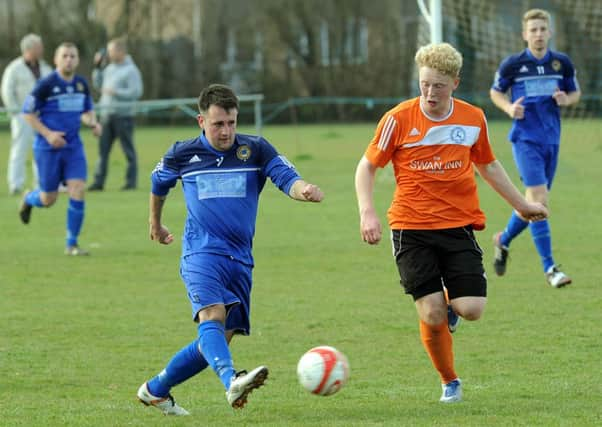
452,391
556,278
243,384
167,404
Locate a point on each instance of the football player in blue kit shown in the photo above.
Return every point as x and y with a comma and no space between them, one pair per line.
222,174
540,81
56,108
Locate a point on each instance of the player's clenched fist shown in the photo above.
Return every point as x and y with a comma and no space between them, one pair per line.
516,110
312,193
161,234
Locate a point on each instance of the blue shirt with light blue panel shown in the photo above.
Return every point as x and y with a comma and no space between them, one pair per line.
222,190
536,80
60,104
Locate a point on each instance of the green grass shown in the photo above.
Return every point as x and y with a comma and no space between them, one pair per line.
80,335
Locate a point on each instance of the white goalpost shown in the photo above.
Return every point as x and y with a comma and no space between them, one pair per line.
433,17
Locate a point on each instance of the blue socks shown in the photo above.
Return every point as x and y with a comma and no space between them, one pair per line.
540,231
210,349
33,199
75,218
515,226
214,347
185,364
75,214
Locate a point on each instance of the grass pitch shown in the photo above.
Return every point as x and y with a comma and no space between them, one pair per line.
80,335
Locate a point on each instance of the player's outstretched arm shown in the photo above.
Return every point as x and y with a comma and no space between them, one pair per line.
496,176
305,192
370,227
158,232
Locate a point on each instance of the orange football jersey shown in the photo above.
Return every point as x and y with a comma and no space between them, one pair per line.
433,164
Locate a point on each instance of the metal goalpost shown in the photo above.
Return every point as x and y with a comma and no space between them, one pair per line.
433,17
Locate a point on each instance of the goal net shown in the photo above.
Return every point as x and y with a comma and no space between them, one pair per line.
485,32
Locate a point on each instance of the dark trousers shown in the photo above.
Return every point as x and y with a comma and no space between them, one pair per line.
113,127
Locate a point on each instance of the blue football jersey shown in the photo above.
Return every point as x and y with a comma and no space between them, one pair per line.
60,104
222,190
536,80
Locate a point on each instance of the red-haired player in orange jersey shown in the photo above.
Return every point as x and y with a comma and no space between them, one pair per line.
433,142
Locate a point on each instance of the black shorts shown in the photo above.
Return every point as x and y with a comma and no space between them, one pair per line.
429,259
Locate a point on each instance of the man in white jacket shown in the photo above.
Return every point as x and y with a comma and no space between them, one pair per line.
18,80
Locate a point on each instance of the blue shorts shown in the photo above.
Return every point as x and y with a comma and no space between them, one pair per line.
212,279
56,166
536,163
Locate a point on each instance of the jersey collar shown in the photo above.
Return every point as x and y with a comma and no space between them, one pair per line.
209,147
63,79
438,119
534,59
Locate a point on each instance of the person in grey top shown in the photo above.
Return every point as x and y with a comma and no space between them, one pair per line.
120,84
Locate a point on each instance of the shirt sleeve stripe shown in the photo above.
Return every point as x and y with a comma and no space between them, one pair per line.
386,133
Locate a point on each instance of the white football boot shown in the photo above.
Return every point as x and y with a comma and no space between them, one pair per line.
243,384
166,404
556,278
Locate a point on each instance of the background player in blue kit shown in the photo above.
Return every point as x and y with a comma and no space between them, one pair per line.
57,106
222,175
540,82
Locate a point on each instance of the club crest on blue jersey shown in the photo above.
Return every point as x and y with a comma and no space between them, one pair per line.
458,135
79,86
556,65
243,153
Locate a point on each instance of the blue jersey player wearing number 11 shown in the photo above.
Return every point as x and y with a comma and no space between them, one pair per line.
222,175
540,81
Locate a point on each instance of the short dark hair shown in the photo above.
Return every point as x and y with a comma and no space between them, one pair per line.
219,95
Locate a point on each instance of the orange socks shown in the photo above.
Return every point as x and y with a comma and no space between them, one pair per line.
437,341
